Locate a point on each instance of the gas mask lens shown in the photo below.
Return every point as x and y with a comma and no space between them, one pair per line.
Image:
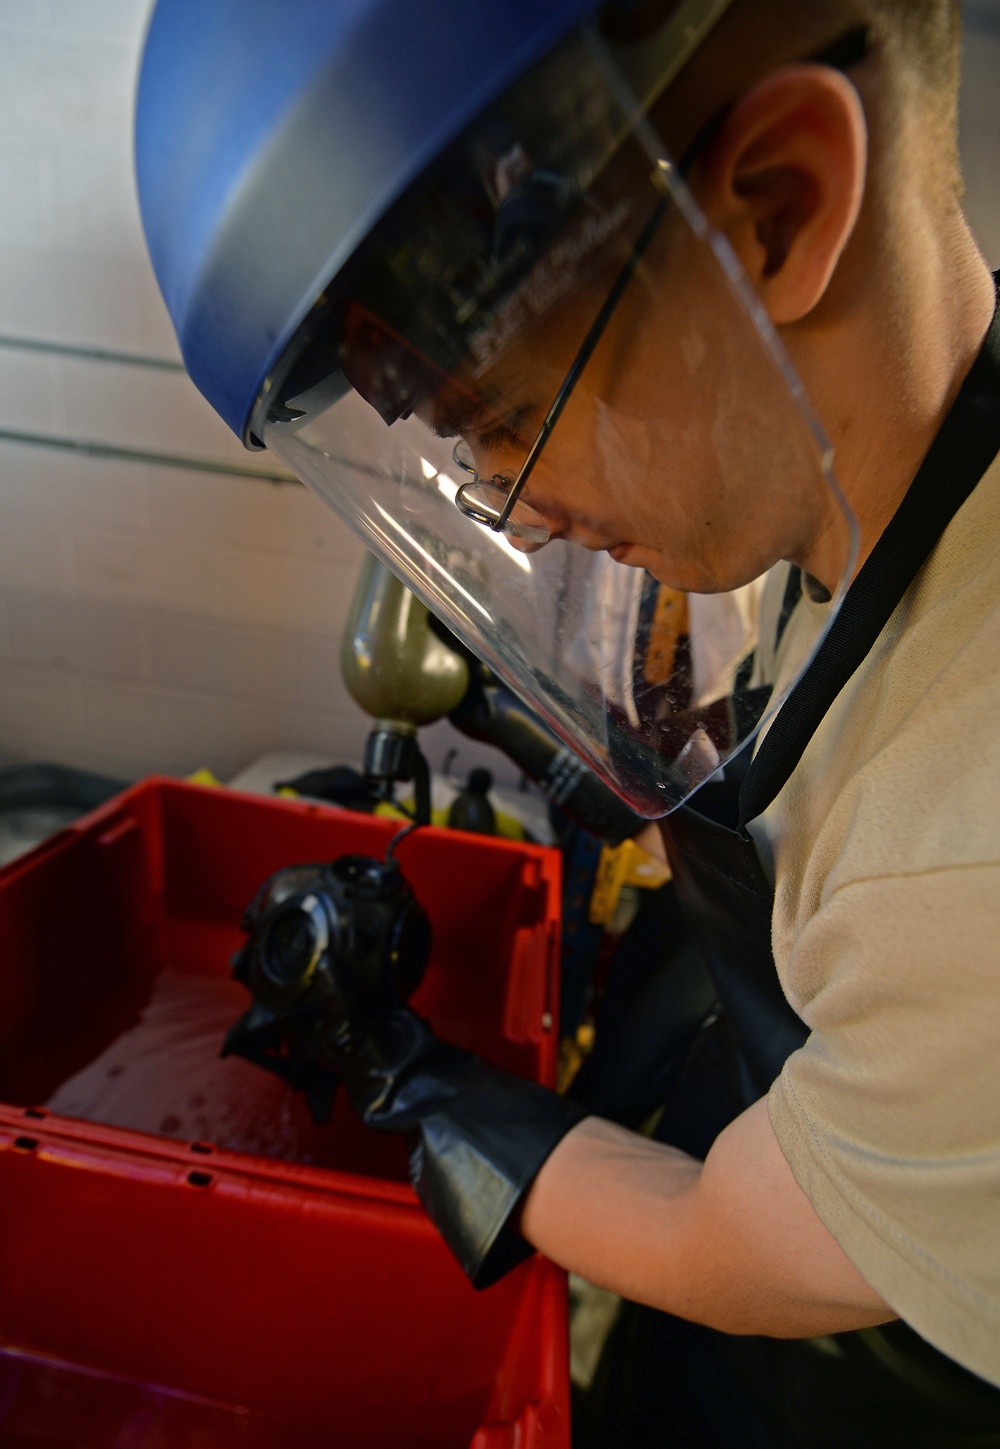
545,395
296,937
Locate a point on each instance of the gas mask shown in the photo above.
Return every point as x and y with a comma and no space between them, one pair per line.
324,941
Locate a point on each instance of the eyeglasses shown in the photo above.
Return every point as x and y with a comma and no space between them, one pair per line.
496,503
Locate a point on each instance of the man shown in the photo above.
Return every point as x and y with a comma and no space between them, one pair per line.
618,414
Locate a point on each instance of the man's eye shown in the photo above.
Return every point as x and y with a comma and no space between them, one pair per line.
498,437
502,434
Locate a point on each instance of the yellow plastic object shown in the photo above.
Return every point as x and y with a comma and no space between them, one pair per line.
204,776
619,866
573,1052
387,811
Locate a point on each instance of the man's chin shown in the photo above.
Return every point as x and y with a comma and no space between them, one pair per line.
664,571
684,576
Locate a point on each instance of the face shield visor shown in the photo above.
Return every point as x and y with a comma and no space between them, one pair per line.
545,394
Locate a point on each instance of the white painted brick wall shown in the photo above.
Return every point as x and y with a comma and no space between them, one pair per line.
150,618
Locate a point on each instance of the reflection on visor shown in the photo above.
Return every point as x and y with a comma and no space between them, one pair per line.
383,368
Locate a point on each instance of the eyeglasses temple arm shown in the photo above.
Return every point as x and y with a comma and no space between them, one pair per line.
581,359
846,51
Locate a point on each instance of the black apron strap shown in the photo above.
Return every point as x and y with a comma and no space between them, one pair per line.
965,446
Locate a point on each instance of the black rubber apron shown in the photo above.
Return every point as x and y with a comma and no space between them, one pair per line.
881,1387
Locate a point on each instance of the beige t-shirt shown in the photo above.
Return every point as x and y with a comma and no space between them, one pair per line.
886,852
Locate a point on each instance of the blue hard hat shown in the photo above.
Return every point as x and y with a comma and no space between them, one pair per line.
270,138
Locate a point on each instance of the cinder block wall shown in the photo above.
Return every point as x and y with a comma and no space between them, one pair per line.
153,618
150,618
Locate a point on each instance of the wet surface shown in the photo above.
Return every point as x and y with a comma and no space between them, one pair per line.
164,1075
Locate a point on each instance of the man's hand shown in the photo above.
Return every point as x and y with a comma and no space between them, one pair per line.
477,1135
733,1243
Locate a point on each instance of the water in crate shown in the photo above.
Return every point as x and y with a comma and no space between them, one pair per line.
164,1075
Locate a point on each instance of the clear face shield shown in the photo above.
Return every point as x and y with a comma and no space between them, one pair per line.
546,395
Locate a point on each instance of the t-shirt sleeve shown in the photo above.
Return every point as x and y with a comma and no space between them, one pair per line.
889,1116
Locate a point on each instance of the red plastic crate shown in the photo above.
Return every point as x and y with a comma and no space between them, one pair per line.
161,1287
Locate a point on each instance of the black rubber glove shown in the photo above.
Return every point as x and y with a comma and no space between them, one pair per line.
478,1135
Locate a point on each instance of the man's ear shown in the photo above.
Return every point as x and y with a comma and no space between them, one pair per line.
784,179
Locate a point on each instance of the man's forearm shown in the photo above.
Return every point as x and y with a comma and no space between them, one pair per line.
733,1243
609,1204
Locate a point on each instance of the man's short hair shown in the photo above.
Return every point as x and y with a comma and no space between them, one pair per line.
927,34
916,45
